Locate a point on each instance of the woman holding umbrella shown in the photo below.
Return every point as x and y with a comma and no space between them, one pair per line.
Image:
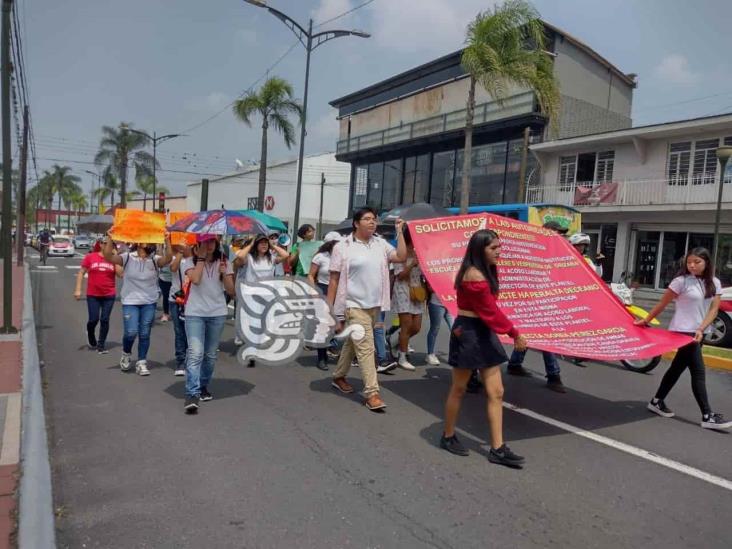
139,295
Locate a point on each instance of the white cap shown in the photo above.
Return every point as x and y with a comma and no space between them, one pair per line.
332,235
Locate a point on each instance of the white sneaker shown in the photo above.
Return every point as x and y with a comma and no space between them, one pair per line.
124,362
432,360
404,363
410,349
238,342
141,368
179,372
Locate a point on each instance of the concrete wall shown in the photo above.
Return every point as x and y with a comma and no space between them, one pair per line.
233,191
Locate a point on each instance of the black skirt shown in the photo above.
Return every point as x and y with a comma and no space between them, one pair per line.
473,345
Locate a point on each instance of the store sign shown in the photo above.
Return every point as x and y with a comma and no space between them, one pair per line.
547,289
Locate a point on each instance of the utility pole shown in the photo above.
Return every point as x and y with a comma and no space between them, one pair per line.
204,194
320,215
7,213
20,230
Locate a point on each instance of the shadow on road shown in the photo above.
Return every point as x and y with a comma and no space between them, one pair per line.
221,387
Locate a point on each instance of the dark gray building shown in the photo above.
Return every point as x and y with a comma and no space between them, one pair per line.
404,136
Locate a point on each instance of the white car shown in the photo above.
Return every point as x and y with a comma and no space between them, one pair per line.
61,246
721,334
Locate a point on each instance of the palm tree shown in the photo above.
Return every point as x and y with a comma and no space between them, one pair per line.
145,186
117,147
63,183
110,185
274,103
78,202
506,48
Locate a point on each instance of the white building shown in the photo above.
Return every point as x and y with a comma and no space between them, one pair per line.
239,190
647,194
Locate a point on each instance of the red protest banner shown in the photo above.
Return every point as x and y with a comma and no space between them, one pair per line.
548,290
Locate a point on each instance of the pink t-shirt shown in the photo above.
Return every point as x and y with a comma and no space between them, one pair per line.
101,281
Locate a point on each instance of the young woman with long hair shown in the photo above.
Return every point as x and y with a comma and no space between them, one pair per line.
320,275
211,275
409,296
474,344
696,293
139,296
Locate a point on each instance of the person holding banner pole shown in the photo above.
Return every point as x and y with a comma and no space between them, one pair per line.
696,292
409,297
358,291
474,344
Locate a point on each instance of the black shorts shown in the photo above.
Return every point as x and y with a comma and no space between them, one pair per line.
473,345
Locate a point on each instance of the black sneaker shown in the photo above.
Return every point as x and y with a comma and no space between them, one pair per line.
91,341
102,350
715,421
517,370
322,365
191,405
504,456
386,366
453,445
659,407
205,395
554,382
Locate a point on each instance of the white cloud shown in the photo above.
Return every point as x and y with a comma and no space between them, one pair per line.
674,68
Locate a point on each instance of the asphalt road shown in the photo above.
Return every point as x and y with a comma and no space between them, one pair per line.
278,459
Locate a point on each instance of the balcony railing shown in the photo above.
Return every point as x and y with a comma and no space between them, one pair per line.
515,105
646,192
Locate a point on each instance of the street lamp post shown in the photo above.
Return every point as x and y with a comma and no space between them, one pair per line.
310,41
155,139
99,186
723,155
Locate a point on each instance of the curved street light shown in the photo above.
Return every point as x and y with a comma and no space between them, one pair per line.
309,41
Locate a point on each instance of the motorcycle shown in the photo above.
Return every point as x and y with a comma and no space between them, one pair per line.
625,295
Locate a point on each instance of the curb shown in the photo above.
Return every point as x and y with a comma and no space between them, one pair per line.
710,361
36,526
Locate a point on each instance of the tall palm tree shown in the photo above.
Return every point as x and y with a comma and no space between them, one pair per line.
117,147
505,48
79,202
145,184
110,185
63,183
274,103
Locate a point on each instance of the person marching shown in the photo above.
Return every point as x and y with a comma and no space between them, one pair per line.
437,313
165,280
177,307
101,291
474,344
205,311
358,291
696,293
253,262
320,275
581,243
306,233
139,296
410,295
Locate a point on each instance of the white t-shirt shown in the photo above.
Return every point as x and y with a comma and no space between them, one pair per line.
322,260
691,305
207,297
175,281
365,268
140,281
254,270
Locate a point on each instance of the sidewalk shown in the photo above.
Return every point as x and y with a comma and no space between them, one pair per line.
11,358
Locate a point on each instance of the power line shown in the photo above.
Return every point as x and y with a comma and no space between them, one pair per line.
344,13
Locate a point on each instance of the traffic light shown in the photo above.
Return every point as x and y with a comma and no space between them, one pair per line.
161,202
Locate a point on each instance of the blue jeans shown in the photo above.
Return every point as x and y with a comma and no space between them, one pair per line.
203,333
550,361
138,321
437,312
379,338
99,307
181,341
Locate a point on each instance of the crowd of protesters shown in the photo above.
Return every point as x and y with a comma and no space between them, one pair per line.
363,277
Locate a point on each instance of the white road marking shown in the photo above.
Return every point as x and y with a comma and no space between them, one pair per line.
627,448
73,267
48,267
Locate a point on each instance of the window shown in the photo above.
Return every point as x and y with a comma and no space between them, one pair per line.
422,178
679,156
728,169
705,161
410,167
375,185
567,168
585,168
360,186
392,184
605,165
443,173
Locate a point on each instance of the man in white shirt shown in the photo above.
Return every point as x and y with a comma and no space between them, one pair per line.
359,288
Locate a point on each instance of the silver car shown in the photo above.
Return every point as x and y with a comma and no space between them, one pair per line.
82,241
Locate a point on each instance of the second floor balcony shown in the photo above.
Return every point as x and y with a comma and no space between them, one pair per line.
643,194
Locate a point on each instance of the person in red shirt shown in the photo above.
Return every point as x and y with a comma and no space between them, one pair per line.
101,292
474,344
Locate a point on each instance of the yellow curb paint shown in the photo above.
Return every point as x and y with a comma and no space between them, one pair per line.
709,360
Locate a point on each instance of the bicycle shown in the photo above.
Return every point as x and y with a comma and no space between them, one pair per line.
44,253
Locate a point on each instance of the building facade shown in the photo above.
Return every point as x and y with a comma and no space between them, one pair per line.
403,137
647,194
324,190
172,204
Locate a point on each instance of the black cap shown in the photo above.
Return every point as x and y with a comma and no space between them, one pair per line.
554,226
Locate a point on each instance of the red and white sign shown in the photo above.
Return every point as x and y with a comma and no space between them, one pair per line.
547,289
269,203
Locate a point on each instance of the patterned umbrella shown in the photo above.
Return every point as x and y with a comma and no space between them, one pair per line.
228,222
272,222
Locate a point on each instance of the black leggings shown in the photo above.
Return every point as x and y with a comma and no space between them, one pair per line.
689,356
165,291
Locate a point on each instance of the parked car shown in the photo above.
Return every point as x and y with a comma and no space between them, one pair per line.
721,334
82,241
61,246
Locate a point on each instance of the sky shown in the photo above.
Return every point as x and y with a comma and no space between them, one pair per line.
174,66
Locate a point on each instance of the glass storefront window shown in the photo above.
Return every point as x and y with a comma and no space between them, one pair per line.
391,196
422,178
724,260
443,176
410,168
646,254
375,185
672,253
513,169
